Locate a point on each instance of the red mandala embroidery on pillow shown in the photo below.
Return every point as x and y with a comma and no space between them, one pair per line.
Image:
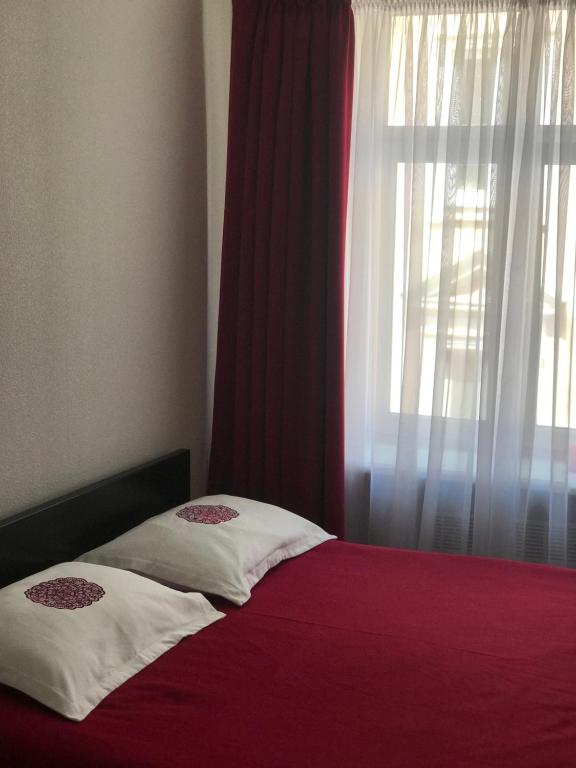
210,514
67,592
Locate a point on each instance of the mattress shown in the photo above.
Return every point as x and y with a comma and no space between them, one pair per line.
347,656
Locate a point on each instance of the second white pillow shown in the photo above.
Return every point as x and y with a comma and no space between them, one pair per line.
219,544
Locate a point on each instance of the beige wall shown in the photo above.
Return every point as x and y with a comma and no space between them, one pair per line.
102,238
217,38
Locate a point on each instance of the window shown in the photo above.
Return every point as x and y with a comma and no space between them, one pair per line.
462,288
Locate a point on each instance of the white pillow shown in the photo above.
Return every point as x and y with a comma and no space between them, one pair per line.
217,544
73,633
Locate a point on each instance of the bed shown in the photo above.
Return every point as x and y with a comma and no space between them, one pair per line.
348,655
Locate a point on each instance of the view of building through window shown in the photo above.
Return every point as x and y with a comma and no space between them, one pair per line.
443,213
461,275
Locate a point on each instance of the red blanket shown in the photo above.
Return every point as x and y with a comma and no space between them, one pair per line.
348,656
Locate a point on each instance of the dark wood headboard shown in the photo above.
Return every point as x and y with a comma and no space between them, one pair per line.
64,528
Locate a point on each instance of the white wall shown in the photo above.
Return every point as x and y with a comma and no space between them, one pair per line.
102,238
217,36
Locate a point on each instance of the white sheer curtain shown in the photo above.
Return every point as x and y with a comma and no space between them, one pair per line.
460,357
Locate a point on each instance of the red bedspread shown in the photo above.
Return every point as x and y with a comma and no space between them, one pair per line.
348,656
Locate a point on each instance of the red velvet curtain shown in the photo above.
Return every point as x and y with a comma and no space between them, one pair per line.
278,427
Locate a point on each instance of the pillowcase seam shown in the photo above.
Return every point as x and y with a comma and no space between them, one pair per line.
281,554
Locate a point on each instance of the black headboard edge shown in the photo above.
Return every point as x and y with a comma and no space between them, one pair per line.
64,528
